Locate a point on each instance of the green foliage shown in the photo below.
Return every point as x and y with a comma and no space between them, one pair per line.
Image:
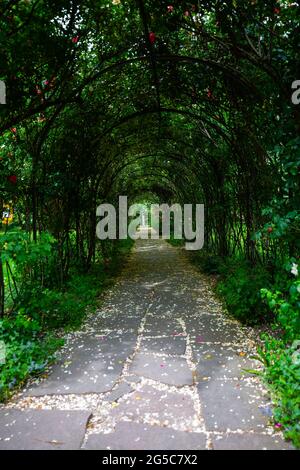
28,351
66,308
19,246
175,241
209,263
281,357
29,345
240,286
286,307
123,248
29,261
282,374
53,309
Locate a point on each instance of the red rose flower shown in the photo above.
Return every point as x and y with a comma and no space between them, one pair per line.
152,37
12,179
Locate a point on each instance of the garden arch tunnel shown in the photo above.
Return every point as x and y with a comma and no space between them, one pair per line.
142,79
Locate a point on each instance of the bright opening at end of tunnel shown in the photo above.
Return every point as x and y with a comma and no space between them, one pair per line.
143,221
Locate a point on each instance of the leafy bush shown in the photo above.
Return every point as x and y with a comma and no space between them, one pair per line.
286,307
28,351
281,357
282,374
64,308
27,262
53,309
28,255
209,263
240,287
37,310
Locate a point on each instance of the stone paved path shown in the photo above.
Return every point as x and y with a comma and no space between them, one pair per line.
160,366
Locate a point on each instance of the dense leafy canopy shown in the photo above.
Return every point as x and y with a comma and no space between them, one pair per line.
180,101
192,102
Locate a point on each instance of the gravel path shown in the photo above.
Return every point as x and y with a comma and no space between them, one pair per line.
159,366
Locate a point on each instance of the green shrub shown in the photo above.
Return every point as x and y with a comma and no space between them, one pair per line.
240,286
175,241
28,351
286,307
281,357
52,308
282,375
29,344
209,263
29,257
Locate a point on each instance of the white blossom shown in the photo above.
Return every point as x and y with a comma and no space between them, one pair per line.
294,269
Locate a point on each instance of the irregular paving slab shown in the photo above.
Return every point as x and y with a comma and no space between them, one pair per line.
166,345
92,366
42,429
221,361
160,406
227,405
121,390
214,329
162,325
116,323
134,436
168,370
250,441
